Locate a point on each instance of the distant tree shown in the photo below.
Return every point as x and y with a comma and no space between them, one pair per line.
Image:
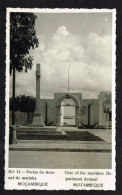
27,103
24,103
107,107
22,39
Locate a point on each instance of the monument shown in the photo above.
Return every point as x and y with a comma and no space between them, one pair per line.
37,118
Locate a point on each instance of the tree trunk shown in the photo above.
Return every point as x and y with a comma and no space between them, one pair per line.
13,101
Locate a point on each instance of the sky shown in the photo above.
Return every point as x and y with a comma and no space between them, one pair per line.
79,41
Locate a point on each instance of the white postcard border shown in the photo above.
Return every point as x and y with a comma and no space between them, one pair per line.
59,182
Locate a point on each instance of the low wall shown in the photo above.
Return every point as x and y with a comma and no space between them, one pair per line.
21,118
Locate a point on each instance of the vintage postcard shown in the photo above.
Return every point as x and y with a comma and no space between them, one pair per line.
60,99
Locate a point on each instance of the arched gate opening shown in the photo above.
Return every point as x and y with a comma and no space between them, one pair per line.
67,112
59,109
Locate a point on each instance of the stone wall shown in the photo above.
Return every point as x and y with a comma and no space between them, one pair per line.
51,107
51,111
94,111
97,114
59,95
84,114
21,118
97,110
104,102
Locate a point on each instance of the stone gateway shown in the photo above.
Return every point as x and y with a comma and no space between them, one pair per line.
88,113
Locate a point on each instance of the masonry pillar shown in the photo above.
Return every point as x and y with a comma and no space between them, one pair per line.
37,118
77,116
58,116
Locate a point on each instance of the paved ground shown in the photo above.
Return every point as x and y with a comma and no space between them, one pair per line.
103,134
63,154
55,144
59,160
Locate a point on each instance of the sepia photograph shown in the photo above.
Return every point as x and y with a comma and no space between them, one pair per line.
60,92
